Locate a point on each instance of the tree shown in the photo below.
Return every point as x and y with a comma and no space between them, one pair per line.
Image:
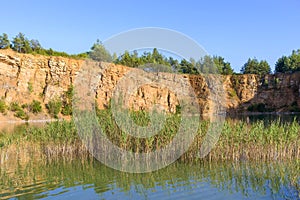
35,45
99,53
125,59
157,57
227,69
288,63
264,67
222,66
253,66
282,64
4,41
21,44
187,67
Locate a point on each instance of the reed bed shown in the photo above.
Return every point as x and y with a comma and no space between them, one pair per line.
238,139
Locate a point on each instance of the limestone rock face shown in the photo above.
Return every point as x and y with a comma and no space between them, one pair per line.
25,77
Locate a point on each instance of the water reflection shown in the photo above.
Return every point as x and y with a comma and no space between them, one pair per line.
90,179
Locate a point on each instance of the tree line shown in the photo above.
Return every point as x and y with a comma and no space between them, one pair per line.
207,64
20,43
157,61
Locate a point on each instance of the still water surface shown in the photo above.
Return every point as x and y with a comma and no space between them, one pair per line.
80,179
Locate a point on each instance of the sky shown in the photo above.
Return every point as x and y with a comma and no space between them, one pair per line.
236,30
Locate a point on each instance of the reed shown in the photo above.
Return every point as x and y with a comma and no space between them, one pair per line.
238,140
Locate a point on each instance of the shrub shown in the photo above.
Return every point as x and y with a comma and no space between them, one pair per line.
14,106
3,106
66,109
30,87
54,107
67,104
35,107
19,112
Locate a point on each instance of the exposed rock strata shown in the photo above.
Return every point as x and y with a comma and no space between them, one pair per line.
25,77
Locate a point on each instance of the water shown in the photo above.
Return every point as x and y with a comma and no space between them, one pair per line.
89,179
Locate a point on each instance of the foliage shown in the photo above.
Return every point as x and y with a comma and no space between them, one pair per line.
99,53
4,41
253,66
19,111
30,87
3,106
238,139
14,106
134,60
54,107
67,103
22,44
155,61
35,106
205,65
223,67
21,114
289,63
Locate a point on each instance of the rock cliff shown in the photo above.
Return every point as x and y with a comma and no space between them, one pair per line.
25,77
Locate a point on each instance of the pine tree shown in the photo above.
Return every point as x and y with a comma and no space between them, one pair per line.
4,41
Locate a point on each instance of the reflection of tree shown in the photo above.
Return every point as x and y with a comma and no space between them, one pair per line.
35,179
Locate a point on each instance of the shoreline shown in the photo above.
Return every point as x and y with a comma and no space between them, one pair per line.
29,121
261,113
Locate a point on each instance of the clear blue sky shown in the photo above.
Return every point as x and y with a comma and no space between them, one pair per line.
236,30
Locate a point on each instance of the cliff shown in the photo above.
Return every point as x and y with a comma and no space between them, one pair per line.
25,77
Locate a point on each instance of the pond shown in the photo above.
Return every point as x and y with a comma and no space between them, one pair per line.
89,179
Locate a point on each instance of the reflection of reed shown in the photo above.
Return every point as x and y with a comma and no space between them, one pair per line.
34,178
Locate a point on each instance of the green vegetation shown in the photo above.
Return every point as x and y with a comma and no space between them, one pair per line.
157,61
4,41
67,102
22,44
30,87
99,53
253,66
289,63
35,107
54,107
19,111
207,64
3,106
238,139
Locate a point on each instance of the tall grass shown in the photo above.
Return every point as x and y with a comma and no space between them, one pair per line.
238,140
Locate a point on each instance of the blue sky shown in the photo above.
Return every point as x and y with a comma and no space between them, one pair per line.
236,30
